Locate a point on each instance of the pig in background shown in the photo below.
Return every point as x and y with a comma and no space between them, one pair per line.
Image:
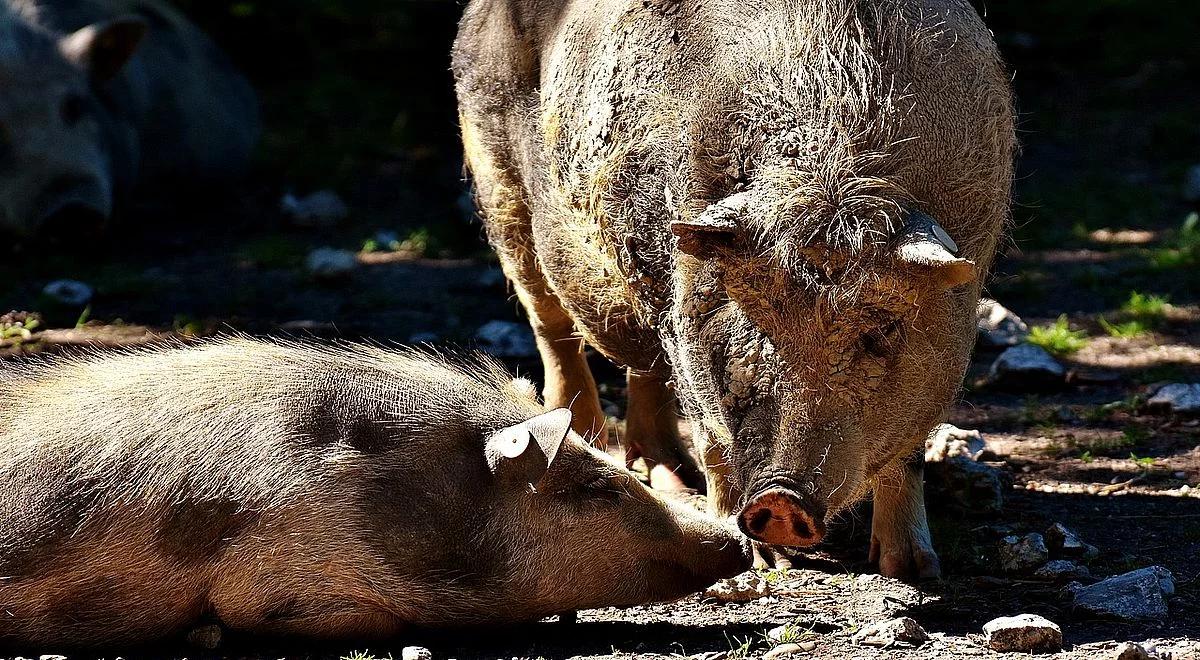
780,212
284,488
99,97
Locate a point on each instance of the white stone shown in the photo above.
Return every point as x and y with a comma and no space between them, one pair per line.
416,653
69,292
997,325
330,263
948,440
1027,365
1062,570
1023,633
1063,543
506,339
887,633
1139,595
1022,554
321,209
1180,398
739,589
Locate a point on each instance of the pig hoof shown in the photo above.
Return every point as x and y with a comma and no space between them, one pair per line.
906,561
768,557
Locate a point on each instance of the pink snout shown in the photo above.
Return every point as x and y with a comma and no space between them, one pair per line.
781,517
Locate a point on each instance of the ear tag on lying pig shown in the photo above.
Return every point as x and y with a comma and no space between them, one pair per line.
926,246
526,450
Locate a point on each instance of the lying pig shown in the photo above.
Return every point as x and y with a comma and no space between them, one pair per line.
293,489
778,211
97,96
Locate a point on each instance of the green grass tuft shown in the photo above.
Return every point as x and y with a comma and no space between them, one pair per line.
1058,338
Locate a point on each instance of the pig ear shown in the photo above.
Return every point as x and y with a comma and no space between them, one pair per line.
102,49
521,454
924,246
717,228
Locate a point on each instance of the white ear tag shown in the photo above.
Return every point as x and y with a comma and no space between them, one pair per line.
513,441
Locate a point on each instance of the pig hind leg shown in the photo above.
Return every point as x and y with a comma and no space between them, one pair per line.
569,382
652,433
900,540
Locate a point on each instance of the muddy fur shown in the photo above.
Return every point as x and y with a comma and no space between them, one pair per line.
801,340
320,491
176,113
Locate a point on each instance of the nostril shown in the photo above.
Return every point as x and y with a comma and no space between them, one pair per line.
758,520
801,528
782,517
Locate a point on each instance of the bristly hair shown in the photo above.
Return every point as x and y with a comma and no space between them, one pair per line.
821,108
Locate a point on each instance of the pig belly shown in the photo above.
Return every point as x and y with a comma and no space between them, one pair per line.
114,594
581,265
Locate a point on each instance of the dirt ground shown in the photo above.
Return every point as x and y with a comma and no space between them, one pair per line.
1098,217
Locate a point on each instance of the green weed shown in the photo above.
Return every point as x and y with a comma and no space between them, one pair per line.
1144,462
1058,338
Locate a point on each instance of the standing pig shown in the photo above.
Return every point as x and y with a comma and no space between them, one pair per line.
783,208
97,96
293,489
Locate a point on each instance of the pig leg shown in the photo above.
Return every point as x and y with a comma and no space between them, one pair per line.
900,539
652,433
569,382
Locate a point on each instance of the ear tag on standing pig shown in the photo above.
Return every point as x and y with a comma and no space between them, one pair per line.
925,246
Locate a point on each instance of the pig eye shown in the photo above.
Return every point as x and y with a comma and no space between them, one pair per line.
882,341
73,108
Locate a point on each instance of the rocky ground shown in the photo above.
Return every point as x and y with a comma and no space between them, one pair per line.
1086,424
1078,436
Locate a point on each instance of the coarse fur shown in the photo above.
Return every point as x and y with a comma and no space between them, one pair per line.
289,488
717,194
91,109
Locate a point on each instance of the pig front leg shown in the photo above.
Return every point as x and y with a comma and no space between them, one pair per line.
652,433
900,540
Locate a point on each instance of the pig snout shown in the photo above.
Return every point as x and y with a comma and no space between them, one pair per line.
781,516
72,208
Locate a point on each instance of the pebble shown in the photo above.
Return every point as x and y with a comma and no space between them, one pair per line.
948,441
1062,570
69,292
52,657
1026,367
205,637
1023,554
739,589
886,633
786,650
506,339
1191,184
1139,595
998,327
1065,544
322,209
330,263
416,653
1132,651
1023,633
1179,398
